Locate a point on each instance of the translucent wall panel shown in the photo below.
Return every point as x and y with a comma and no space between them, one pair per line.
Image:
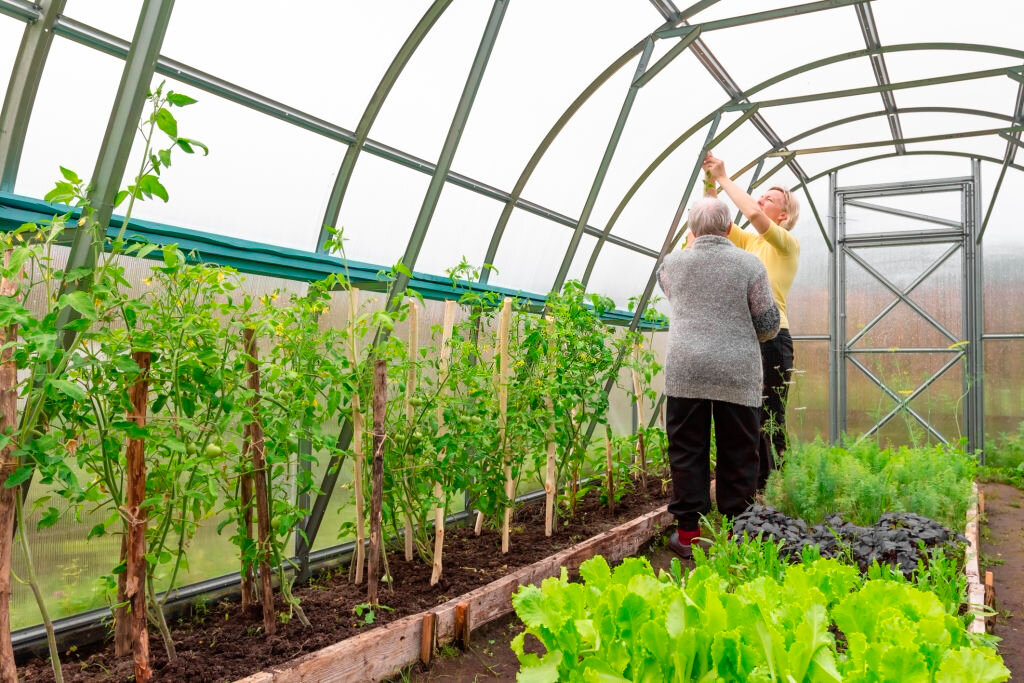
380,209
566,172
264,180
670,104
871,129
820,164
942,205
991,146
997,22
419,109
622,274
116,18
1003,253
793,119
996,94
909,167
530,253
581,259
741,147
80,120
756,52
647,217
531,78
807,411
1004,377
461,229
11,31
807,304
325,58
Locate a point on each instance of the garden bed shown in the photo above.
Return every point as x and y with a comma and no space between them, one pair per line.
223,643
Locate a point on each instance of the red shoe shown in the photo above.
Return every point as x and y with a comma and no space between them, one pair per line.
682,541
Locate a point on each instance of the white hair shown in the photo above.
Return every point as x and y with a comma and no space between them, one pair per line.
709,216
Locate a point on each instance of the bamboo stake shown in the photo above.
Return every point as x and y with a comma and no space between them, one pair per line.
503,374
122,627
550,473
410,410
8,507
135,581
259,481
248,582
608,474
380,398
641,455
357,441
442,377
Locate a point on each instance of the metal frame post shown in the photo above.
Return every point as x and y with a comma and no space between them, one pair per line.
837,313
974,325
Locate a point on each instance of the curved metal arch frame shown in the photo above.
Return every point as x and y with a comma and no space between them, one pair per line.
967,47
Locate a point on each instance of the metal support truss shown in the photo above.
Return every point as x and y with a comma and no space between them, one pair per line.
22,89
962,238
866,19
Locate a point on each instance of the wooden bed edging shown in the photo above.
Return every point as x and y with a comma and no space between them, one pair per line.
975,585
384,651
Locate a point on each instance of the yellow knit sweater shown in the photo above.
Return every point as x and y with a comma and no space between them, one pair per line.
779,251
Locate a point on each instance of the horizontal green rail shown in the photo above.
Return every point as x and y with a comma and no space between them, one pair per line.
259,258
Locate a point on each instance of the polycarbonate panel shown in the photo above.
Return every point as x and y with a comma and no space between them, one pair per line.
807,303
380,209
996,94
906,168
823,162
871,129
994,22
943,205
264,180
565,174
530,253
461,229
1003,253
582,258
117,18
11,31
418,112
78,142
756,52
663,111
531,78
793,119
621,274
991,146
741,146
647,217
1004,377
807,410
941,123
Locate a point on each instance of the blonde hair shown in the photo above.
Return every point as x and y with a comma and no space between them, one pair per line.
790,205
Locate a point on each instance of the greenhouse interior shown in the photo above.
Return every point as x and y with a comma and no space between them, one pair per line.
643,340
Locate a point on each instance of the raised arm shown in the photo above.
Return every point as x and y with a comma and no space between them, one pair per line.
747,205
764,314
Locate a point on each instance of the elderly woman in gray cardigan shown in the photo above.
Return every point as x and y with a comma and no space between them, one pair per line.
721,309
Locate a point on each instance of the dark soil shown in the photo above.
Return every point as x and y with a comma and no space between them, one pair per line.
222,643
1002,553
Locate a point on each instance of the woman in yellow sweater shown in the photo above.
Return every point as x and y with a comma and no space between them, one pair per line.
773,217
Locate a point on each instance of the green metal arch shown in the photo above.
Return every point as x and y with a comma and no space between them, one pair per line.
967,47
921,152
373,108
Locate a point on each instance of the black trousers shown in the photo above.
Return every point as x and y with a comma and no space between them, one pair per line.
688,421
777,365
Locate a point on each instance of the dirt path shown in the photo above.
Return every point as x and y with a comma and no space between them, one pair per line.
1002,553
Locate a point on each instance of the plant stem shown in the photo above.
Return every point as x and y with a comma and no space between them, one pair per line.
51,638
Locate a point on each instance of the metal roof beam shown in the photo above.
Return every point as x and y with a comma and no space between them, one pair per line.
1002,132
21,9
866,18
758,17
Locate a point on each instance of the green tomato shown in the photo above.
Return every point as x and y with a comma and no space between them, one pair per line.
416,401
212,450
191,448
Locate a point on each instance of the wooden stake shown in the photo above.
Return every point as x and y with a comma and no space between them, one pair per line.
609,477
428,638
981,502
463,627
380,399
357,441
641,455
122,619
245,489
990,591
259,482
504,321
442,377
135,579
479,525
410,409
8,505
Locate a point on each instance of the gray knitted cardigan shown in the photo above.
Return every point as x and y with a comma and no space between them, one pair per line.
722,306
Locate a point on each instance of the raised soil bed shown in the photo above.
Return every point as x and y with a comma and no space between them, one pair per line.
221,643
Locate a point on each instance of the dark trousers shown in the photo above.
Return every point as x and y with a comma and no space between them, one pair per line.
777,365
688,421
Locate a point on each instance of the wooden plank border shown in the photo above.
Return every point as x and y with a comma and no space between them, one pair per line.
383,652
975,585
